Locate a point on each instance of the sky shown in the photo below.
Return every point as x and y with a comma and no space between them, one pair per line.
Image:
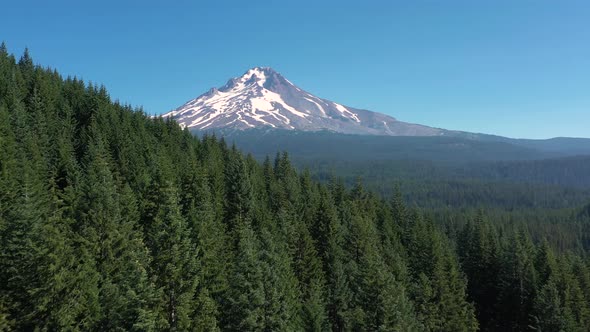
516,68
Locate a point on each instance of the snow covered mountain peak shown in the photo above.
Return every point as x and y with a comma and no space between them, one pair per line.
262,97
263,77
257,76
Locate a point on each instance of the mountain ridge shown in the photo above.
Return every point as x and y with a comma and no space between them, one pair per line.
262,97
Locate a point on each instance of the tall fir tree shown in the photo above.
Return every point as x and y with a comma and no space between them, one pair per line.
110,229
175,262
246,298
309,272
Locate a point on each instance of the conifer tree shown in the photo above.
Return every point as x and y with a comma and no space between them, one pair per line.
281,289
28,210
246,298
8,185
440,289
66,295
206,313
329,237
380,298
174,262
110,229
517,283
550,313
480,259
308,269
392,250
214,253
239,200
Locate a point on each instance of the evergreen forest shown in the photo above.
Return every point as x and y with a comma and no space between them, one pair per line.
112,220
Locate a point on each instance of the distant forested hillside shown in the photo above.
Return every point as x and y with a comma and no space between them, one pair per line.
572,172
439,172
342,147
111,220
550,184
567,171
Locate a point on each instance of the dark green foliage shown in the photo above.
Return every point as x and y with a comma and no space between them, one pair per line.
109,227
308,269
174,262
111,220
238,188
479,254
246,298
439,287
517,280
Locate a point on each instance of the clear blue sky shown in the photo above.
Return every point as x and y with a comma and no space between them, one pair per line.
519,68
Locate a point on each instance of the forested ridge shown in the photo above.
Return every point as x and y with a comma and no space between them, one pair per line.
112,220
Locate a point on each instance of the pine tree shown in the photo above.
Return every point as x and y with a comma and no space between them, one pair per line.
308,269
206,313
214,254
29,208
8,189
517,283
110,228
174,262
281,289
479,256
328,235
246,298
66,297
440,288
392,250
239,200
550,315
381,300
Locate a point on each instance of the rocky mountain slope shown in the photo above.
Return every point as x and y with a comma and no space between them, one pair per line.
262,98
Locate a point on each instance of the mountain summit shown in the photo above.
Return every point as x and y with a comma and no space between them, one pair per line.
264,98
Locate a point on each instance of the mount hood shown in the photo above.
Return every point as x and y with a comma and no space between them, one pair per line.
263,98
